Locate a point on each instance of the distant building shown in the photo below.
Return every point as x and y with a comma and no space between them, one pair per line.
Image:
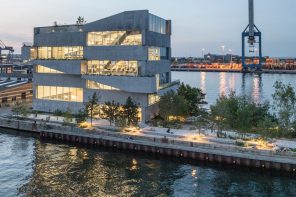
128,54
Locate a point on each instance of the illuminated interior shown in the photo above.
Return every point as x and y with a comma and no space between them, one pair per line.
59,93
60,53
111,38
98,86
157,53
153,98
116,68
43,69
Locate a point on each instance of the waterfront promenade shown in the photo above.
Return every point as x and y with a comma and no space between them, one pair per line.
157,144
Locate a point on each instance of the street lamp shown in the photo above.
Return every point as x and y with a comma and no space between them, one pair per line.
223,49
202,53
230,51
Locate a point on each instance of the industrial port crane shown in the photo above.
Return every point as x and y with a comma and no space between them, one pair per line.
8,56
254,39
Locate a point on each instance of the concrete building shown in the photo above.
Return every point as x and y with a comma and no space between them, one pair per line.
124,55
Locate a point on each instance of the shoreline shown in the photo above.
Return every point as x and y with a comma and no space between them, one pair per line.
264,71
160,146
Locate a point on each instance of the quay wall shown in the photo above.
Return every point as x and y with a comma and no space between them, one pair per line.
160,146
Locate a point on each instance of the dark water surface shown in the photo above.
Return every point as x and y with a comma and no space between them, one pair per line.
257,86
29,167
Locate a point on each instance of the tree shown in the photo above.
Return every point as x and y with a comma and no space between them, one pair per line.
80,20
68,116
284,103
172,104
92,107
111,111
130,111
20,109
194,97
81,116
240,113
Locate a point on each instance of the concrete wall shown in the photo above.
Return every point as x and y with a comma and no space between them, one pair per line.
51,106
139,53
130,20
59,80
117,96
128,84
60,39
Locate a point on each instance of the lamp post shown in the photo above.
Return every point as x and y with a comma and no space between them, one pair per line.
223,49
230,51
202,53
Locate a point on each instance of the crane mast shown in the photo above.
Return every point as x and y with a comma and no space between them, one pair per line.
253,35
251,22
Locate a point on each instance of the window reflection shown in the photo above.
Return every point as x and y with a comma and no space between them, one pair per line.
111,38
115,68
59,93
223,87
157,24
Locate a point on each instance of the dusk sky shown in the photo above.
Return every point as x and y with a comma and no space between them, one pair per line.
197,24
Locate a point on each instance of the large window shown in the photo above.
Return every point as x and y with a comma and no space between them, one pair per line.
43,69
59,93
153,98
157,24
157,53
98,86
75,52
111,38
115,68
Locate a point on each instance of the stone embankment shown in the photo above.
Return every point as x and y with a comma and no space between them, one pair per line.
158,145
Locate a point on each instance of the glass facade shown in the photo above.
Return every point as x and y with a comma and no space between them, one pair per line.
114,68
157,24
43,69
59,93
98,86
157,53
59,53
111,38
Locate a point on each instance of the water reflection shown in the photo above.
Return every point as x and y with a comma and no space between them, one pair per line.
251,85
62,170
223,87
203,81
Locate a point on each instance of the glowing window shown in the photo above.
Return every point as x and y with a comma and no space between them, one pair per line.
72,52
43,69
111,38
99,86
59,93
